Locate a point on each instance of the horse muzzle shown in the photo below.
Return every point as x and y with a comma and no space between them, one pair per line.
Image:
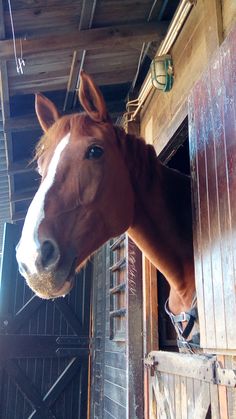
45,272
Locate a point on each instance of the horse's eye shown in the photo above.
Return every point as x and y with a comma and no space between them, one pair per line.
94,152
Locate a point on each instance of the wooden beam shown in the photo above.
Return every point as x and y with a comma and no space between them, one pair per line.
18,216
20,167
21,123
126,36
86,18
5,105
23,196
30,123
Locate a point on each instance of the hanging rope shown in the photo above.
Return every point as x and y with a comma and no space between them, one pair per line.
20,62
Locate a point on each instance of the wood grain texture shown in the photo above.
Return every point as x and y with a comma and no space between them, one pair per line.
90,39
213,157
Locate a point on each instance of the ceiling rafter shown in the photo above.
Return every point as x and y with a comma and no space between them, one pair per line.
5,110
131,36
86,19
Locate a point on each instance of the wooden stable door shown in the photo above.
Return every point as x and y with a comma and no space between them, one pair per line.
204,386
44,346
212,137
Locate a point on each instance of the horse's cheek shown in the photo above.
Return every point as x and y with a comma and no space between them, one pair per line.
90,179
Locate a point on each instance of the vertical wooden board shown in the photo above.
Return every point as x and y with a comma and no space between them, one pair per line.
168,396
215,408
162,396
184,404
197,233
205,243
178,409
190,397
202,399
134,337
171,386
223,406
228,74
220,82
230,363
214,198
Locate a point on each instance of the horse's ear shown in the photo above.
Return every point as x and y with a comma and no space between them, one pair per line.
46,111
91,99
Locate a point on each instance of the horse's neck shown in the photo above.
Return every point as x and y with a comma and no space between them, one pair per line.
162,226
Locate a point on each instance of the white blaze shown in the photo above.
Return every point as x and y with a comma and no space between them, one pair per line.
27,249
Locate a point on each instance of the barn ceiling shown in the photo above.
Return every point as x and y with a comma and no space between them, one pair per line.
112,40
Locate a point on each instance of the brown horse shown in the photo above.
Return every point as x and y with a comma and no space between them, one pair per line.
98,182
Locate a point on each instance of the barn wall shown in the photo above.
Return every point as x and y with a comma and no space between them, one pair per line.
117,370
204,30
108,375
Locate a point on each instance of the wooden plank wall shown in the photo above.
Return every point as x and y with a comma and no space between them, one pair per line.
163,113
109,396
212,136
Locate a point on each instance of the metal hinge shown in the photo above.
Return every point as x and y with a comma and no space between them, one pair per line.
224,376
202,367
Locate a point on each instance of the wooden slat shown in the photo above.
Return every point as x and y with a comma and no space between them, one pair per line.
21,166
178,409
222,392
183,390
197,232
86,18
228,220
215,410
17,216
133,337
5,105
230,363
90,39
213,156
150,323
25,123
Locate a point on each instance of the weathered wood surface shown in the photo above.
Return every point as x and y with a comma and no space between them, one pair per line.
176,395
89,39
213,159
191,54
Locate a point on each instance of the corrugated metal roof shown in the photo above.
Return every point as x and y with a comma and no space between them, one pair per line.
5,211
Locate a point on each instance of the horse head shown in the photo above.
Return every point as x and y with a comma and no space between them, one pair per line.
85,196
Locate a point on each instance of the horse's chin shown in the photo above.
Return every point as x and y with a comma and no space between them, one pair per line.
52,285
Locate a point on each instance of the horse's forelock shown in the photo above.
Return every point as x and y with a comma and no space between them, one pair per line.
52,137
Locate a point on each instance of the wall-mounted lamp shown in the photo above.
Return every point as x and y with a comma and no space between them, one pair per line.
162,73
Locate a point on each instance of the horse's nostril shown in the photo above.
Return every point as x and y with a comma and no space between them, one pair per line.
49,253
